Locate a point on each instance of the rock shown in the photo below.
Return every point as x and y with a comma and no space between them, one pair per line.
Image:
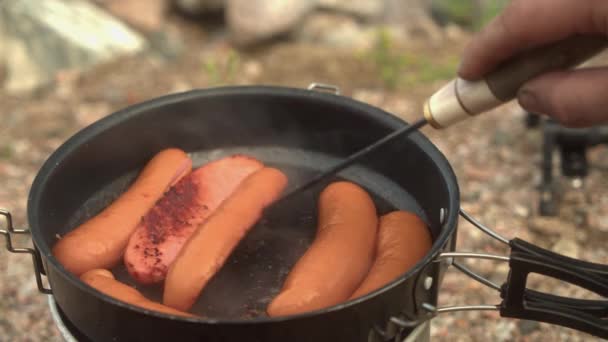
599,222
38,38
252,69
365,9
504,330
198,7
146,15
166,44
253,21
88,113
371,96
333,29
455,32
551,226
478,173
527,327
567,246
413,18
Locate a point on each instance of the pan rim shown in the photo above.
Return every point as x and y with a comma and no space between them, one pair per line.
447,174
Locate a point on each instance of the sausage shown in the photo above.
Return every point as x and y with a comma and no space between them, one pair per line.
403,240
207,250
339,257
167,226
100,241
104,281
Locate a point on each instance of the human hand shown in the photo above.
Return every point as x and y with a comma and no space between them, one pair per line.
576,98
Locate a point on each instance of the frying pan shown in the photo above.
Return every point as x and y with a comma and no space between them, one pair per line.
302,132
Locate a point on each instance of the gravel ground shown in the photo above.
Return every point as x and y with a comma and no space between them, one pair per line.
494,156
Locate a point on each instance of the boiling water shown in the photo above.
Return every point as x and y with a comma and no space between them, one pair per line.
256,269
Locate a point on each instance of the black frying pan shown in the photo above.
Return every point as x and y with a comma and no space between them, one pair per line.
303,133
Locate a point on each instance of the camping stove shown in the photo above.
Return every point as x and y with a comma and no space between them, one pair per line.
71,334
572,144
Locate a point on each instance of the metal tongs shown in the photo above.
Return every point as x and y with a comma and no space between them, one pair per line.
460,99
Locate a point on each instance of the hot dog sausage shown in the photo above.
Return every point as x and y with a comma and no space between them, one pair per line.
339,257
403,240
104,281
100,241
167,226
206,251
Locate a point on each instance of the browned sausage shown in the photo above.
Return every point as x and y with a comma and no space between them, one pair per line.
339,257
100,241
213,242
169,224
103,280
403,240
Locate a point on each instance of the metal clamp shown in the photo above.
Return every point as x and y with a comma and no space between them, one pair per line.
9,246
394,328
520,302
396,325
431,309
324,87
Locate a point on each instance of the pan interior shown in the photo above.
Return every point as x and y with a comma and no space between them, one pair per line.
255,271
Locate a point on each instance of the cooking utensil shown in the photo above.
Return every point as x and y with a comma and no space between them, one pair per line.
460,99
303,132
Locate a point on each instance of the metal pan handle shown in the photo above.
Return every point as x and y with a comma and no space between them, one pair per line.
36,259
518,301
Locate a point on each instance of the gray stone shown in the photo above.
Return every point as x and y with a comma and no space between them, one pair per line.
567,246
147,15
252,21
333,29
366,9
38,38
197,7
527,327
414,19
554,226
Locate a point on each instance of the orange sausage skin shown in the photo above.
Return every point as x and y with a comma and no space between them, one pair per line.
100,241
212,243
403,240
104,281
339,257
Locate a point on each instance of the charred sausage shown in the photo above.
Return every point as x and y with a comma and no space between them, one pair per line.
167,226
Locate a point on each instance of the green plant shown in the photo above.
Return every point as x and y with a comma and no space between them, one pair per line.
386,61
461,12
222,72
472,14
399,68
6,152
489,10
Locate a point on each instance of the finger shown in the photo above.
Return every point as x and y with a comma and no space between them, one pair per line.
575,98
525,24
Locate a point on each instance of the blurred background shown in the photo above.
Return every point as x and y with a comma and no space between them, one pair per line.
66,63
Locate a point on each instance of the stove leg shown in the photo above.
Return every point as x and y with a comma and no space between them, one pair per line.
532,120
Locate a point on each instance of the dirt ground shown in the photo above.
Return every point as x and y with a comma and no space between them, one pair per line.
495,157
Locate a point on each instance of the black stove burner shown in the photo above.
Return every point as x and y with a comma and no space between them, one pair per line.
572,144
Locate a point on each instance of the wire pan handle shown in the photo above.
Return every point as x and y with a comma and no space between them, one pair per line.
37,261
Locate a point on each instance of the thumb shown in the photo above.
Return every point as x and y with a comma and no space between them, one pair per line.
575,98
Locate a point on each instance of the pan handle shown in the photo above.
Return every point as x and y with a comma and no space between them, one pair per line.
36,259
518,301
